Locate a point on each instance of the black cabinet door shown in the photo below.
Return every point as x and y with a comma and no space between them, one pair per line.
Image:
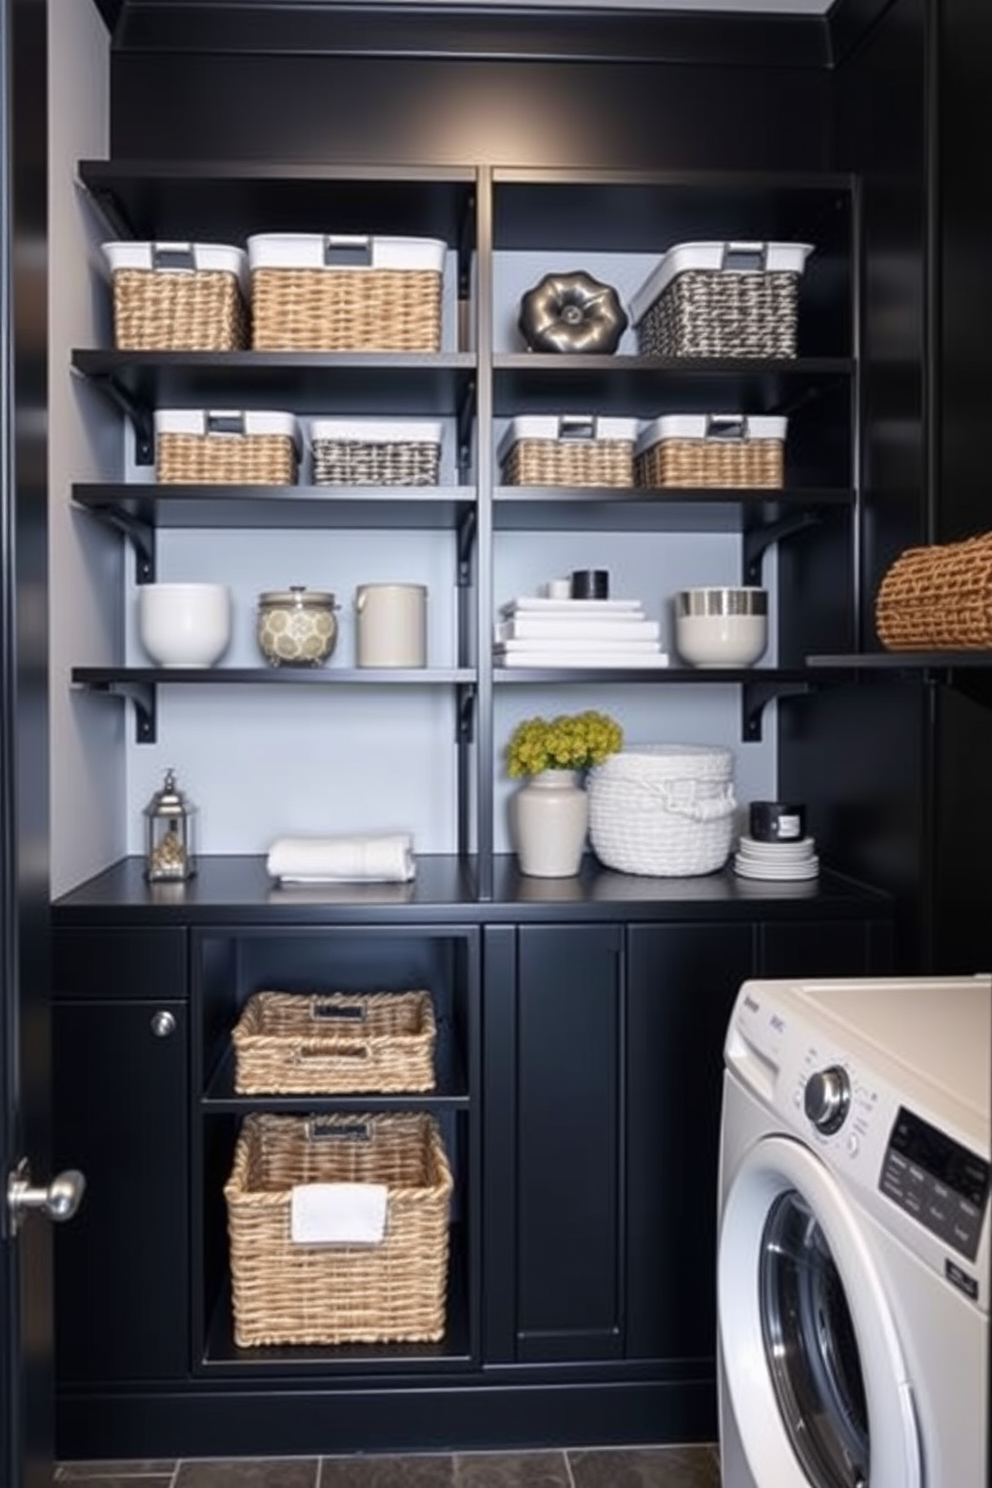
122,1268
681,985
826,948
554,1139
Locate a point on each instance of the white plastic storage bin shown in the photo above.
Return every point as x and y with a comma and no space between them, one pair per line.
375,452
312,292
721,300
196,446
178,296
663,810
573,450
711,449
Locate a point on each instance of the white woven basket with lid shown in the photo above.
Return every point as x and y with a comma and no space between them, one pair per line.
665,810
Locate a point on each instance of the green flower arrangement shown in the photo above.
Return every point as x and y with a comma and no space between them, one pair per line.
572,741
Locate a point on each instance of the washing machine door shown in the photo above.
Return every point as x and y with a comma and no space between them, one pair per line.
809,1351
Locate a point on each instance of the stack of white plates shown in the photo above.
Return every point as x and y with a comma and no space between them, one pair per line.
786,862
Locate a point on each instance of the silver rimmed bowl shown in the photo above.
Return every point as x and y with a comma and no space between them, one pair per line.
721,627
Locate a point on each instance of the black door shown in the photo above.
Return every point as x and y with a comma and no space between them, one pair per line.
25,1301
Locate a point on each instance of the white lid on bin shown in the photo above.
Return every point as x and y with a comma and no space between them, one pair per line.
179,258
343,251
235,422
569,426
377,431
725,427
730,257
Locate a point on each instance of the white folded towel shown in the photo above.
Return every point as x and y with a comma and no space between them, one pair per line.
315,860
338,1213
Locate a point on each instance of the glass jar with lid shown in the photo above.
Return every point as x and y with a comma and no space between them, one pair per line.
296,626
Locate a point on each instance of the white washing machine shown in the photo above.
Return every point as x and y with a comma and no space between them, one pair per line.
853,1265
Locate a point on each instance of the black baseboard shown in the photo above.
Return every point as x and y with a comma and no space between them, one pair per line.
308,1422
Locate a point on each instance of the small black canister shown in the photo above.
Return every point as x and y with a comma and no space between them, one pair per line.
777,821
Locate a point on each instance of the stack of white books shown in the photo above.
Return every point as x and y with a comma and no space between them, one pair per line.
539,632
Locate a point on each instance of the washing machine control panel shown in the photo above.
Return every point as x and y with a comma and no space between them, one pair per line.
937,1180
827,1098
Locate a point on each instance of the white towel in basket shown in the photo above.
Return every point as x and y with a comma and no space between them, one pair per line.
338,1213
315,860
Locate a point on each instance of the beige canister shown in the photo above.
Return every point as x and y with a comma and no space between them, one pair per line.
391,625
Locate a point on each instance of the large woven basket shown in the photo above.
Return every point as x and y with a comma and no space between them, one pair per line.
663,810
288,1292
711,450
370,452
297,1043
195,447
938,598
721,300
568,451
315,293
164,299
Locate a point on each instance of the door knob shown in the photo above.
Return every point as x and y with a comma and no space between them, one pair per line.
163,1023
59,1200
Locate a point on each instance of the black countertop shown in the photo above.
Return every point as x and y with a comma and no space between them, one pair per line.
237,889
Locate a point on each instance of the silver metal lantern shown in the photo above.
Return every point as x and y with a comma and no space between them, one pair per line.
169,834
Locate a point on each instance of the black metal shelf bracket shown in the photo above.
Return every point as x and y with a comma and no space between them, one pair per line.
755,697
758,540
144,697
466,239
105,203
465,723
140,534
142,417
467,524
466,421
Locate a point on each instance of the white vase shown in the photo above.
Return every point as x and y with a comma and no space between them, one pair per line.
550,818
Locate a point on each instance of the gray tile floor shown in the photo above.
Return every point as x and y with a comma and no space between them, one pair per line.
571,1467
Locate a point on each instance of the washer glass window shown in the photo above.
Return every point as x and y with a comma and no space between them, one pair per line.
811,1347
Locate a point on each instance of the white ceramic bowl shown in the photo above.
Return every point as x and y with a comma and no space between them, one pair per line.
184,625
721,627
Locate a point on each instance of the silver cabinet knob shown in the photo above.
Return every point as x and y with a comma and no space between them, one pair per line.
59,1200
163,1023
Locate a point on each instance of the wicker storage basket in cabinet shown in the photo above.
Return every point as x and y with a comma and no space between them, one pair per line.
392,1289
574,450
721,300
938,598
663,810
375,452
198,447
315,293
178,296
726,450
292,1043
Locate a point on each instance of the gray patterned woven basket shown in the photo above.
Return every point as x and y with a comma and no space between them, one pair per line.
711,313
356,462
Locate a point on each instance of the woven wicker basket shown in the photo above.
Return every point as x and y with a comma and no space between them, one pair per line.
311,293
165,300
194,447
703,301
291,1043
711,450
568,451
287,1292
664,810
370,453
938,598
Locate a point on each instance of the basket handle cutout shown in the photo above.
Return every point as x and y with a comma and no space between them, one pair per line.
347,252
225,423
174,257
312,1052
745,257
346,1012
726,426
576,426
321,1129
680,799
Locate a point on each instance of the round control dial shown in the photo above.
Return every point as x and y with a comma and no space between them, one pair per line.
827,1097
